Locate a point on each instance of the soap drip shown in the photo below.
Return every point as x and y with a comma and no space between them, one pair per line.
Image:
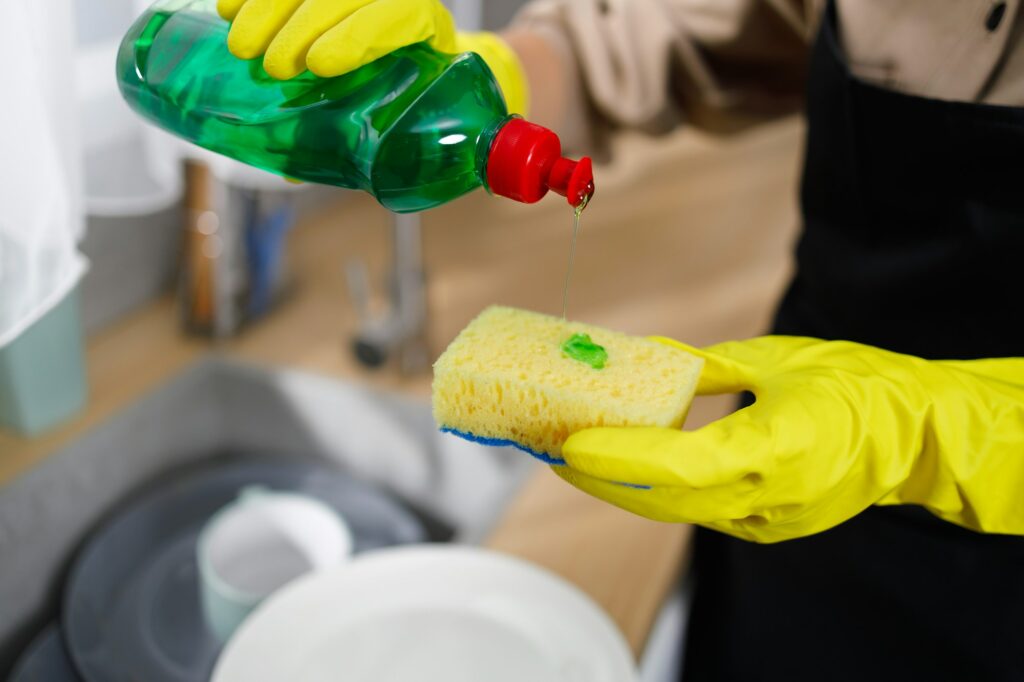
572,252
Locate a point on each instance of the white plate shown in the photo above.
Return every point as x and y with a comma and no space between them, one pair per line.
426,614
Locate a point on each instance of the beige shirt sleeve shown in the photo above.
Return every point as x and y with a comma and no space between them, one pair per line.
650,64
722,64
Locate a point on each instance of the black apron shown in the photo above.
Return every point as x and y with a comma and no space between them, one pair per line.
913,241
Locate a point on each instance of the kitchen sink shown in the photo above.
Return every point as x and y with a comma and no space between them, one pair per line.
225,408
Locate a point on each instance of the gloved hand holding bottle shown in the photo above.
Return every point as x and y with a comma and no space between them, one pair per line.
333,37
413,113
836,427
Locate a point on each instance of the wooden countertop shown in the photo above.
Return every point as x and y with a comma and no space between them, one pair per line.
687,236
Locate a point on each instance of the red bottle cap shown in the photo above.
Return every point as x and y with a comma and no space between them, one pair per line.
525,161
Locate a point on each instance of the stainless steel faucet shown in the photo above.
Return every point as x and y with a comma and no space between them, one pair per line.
399,333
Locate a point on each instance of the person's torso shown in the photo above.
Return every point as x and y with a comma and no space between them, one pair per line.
913,238
913,218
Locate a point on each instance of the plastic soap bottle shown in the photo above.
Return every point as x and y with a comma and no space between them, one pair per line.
415,128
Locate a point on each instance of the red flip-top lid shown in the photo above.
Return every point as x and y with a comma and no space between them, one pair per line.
526,161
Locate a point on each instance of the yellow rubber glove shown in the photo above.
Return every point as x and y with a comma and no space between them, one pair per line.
332,37
836,427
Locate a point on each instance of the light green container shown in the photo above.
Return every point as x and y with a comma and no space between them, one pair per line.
42,371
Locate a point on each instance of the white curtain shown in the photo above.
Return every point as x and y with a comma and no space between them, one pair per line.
41,210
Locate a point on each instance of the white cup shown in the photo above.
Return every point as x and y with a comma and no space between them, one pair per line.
259,543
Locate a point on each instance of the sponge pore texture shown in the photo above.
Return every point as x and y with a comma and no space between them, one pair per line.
505,379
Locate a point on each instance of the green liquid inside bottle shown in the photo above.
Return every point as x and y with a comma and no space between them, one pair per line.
581,347
412,128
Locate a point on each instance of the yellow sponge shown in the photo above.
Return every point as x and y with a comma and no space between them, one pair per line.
506,380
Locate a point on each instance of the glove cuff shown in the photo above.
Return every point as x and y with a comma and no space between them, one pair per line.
504,64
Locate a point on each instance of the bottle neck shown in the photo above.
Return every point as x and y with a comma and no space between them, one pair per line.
485,144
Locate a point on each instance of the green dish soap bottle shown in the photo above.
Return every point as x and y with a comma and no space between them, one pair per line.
415,128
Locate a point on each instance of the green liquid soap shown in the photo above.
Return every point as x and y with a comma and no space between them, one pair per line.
414,128
581,347
576,212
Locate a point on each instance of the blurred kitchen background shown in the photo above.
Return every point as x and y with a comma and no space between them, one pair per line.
225,310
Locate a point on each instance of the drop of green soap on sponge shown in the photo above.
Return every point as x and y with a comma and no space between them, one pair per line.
581,347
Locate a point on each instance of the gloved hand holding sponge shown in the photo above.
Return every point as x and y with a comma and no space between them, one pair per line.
836,427
333,37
